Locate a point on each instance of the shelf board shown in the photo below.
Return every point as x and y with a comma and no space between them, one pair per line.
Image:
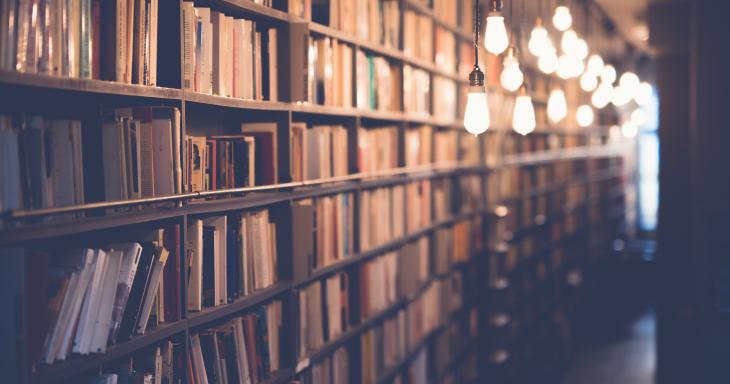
76,365
256,11
45,82
56,228
425,10
232,102
209,315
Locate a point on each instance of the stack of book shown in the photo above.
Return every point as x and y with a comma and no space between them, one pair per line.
319,152
446,10
94,297
419,146
232,161
377,21
141,152
442,198
89,39
414,257
41,163
378,284
246,349
444,98
418,205
378,83
230,257
332,369
329,72
445,50
377,149
323,230
44,162
228,57
382,217
417,30
471,197
416,91
383,346
323,313
159,364
446,148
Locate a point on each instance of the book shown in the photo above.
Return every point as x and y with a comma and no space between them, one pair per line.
229,56
377,149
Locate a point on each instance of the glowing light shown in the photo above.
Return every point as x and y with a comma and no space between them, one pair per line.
584,115
642,94
495,34
608,74
595,65
539,40
602,95
588,82
557,107
476,113
562,18
523,118
511,77
629,130
548,62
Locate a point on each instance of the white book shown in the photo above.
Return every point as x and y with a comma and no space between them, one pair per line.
77,297
197,357
112,158
62,163
53,340
189,22
128,269
89,310
100,333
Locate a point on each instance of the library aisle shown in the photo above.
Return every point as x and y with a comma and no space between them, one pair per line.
363,191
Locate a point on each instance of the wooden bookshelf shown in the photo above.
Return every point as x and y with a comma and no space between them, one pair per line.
44,227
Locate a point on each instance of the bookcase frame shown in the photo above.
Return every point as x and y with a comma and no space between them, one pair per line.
178,209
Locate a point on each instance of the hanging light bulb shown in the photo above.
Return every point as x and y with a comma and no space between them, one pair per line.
539,40
523,116
564,67
638,117
581,49
621,96
584,115
629,129
595,65
568,41
511,77
630,81
548,62
643,92
602,95
562,18
557,107
608,74
476,112
495,34
588,82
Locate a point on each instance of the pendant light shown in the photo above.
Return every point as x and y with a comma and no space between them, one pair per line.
539,40
548,62
602,95
608,74
476,113
523,117
495,34
630,81
584,115
511,77
595,65
588,82
562,20
557,107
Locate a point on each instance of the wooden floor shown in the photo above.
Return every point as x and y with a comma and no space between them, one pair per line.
626,359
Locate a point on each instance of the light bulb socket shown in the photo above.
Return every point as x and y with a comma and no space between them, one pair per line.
511,51
538,22
495,6
476,77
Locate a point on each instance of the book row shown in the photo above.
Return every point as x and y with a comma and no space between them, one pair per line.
47,161
228,56
89,298
88,39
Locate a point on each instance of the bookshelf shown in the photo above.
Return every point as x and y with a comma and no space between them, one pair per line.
107,221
